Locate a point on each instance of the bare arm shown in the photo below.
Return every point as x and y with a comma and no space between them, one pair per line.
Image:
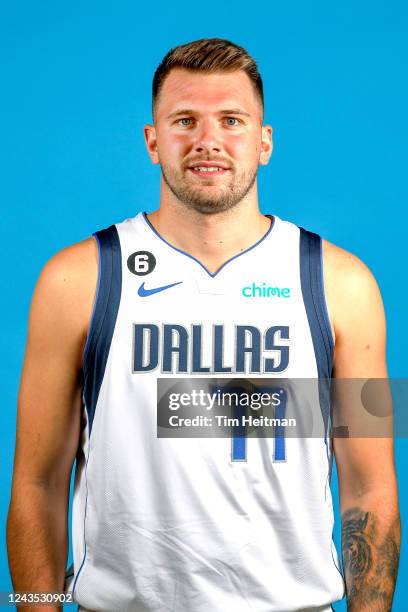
366,472
49,419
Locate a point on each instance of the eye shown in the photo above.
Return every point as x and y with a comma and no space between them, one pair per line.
231,121
185,121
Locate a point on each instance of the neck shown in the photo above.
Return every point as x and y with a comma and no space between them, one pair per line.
212,239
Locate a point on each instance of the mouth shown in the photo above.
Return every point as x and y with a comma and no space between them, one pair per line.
208,171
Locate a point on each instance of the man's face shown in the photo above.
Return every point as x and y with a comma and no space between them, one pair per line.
208,138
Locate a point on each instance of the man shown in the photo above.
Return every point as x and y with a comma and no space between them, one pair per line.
188,524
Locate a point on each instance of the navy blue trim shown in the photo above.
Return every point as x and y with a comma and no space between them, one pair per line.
325,310
311,278
104,316
95,302
86,507
197,260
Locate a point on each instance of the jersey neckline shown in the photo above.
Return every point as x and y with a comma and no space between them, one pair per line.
212,275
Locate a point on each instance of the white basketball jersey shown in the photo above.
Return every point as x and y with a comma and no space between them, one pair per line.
203,524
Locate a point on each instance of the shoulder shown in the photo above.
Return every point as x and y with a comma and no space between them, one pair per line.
352,293
70,269
345,267
346,273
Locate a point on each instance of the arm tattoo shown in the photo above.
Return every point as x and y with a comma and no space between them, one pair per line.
370,563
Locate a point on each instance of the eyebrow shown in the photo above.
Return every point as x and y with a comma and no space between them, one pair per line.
189,111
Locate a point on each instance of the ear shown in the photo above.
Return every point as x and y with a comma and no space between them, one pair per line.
149,131
266,145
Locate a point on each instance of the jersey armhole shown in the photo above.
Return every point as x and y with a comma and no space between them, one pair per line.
103,317
91,330
311,278
325,308
312,283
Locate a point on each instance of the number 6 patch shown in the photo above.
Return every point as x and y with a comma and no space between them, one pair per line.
141,263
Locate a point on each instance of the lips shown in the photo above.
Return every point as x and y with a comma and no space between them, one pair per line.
208,168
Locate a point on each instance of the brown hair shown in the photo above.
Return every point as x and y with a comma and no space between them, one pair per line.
208,55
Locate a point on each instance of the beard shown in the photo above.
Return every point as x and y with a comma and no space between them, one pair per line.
202,200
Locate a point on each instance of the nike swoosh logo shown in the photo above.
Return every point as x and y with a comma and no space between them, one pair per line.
143,292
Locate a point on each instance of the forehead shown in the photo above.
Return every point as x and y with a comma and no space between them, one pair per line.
207,92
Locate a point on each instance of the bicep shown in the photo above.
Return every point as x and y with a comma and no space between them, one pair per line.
49,399
364,459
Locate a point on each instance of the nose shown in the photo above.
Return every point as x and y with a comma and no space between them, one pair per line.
207,137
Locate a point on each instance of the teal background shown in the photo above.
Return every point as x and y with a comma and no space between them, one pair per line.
76,81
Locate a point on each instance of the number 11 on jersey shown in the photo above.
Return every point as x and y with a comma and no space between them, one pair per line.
239,432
